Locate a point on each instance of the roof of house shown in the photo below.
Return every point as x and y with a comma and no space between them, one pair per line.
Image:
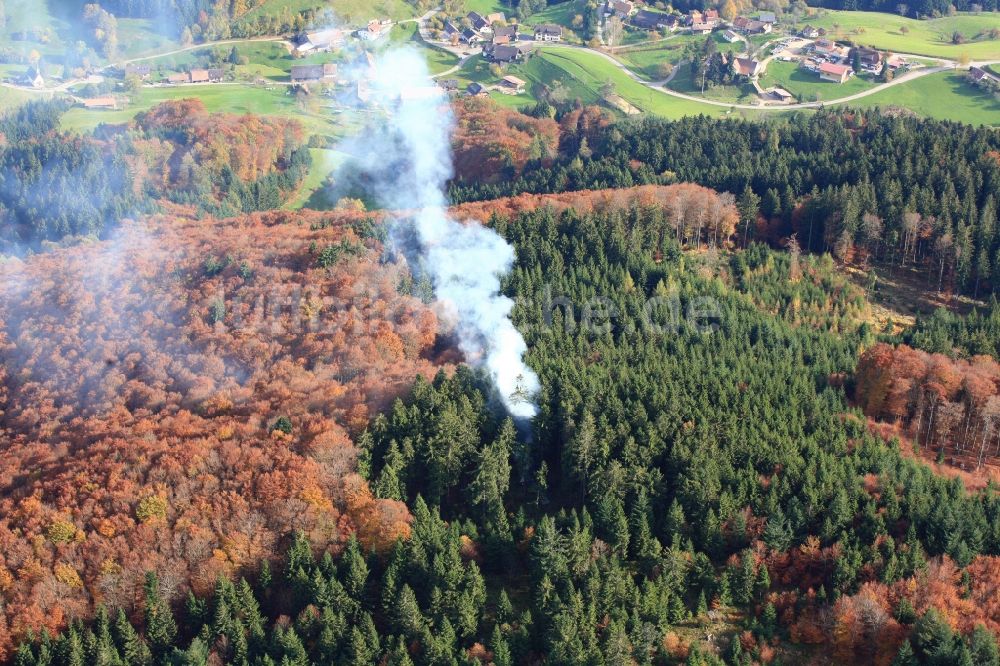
731,35
548,29
866,54
647,19
474,88
756,25
324,37
199,75
699,26
307,72
503,53
496,17
711,13
450,28
97,102
177,78
514,81
622,6
740,22
215,73
824,45
478,20
782,93
746,66
506,31
833,69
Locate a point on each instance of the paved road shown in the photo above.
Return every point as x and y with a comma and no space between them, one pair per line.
657,86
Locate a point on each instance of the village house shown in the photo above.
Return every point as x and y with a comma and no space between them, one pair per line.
826,48
695,16
870,59
548,32
503,54
809,32
141,70
747,67
476,90
620,8
496,17
505,34
375,30
198,76
978,75
176,79
759,28
731,36
702,28
451,29
767,17
649,20
101,103
740,23
711,15
313,73
479,22
471,37
215,74
320,40
513,84
829,71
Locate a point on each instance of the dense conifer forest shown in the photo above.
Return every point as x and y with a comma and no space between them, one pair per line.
861,185
695,458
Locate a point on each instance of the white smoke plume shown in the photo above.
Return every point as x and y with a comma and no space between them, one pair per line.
407,162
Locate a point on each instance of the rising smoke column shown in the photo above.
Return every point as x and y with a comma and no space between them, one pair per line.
409,163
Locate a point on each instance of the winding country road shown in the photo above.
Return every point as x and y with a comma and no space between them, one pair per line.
656,86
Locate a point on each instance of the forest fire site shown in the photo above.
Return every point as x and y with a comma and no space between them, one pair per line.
404,162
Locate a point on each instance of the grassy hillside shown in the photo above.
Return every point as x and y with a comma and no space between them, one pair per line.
809,86
930,37
945,95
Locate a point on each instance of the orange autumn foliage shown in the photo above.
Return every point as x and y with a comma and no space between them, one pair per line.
142,378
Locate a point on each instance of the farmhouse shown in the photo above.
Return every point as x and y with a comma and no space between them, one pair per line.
505,34
496,17
101,103
647,20
198,76
824,47
829,71
471,37
702,28
731,36
759,27
978,74
479,22
178,78
475,89
870,59
320,40
503,54
313,73
740,23
142,71
512,83
451,29
781,95
548,32
747,67
809,32
376,29
215,74
620,8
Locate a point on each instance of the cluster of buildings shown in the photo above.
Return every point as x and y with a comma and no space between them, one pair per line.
491,31
837,63
698,22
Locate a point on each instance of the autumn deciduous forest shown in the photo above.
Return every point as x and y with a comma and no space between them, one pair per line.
242,436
